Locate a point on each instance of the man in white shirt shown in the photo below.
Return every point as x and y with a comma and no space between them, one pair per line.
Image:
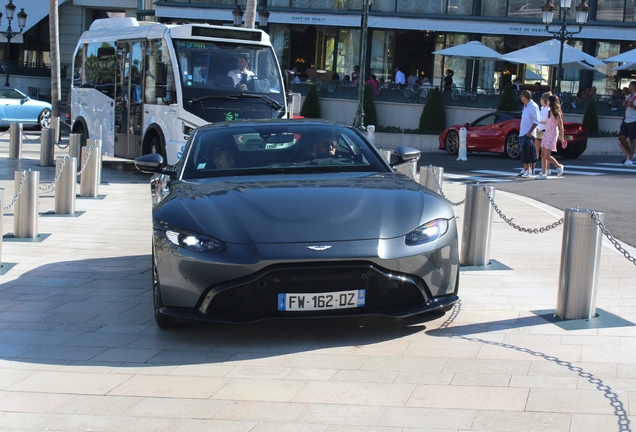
628,127
529,122
241,74
399,76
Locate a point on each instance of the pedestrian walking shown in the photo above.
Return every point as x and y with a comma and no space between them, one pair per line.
553,133
627,133
529,122
543,117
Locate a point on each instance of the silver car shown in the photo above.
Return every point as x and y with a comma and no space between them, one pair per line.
16,107
295,218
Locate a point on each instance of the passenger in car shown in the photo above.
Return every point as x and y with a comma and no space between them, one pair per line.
222,158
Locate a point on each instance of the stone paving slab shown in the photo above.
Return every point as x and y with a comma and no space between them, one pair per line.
79,349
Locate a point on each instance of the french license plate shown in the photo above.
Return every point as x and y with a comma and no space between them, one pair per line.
321,301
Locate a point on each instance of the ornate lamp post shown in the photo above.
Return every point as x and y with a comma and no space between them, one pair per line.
9,33
237,15
263,17
359,119
563,34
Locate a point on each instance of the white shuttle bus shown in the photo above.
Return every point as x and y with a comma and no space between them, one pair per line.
143,87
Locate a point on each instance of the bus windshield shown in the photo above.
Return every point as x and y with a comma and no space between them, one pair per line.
219,66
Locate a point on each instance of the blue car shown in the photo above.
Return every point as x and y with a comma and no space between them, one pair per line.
16,107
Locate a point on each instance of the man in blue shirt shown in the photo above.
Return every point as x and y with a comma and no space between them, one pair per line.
529,122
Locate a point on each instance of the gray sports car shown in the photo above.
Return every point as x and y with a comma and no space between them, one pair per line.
295,218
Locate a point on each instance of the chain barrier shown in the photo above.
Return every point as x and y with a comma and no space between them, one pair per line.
514,225
439,189
17,193
611,238
57,177
28,140
88,155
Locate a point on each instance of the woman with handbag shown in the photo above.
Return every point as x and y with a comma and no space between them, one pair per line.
553,133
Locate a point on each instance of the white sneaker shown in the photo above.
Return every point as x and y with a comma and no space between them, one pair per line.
560,171
628,162
522,173
525,174
549,172
541,177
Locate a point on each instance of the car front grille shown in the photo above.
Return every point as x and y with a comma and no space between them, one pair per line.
386,292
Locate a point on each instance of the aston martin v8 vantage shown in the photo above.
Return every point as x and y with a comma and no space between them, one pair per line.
295,218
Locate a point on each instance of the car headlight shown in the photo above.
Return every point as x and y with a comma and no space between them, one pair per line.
426,233
195,242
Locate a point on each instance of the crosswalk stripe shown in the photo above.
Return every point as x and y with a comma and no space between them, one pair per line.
602,168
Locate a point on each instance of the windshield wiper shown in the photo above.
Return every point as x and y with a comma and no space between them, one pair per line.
202,98
268,100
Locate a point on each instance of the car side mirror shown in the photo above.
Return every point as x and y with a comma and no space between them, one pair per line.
404,155
152,163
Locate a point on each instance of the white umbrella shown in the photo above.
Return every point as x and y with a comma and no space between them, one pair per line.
626,66
629,57
473,50
547,54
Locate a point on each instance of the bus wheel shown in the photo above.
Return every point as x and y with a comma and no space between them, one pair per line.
156,147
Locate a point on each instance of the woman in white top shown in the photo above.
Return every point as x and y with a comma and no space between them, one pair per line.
543,117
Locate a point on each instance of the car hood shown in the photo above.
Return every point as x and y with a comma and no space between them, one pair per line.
303,208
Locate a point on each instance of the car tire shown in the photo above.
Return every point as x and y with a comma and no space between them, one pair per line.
44,119
511,147
451,142
163,321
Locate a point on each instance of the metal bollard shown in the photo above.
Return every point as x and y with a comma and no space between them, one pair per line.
371,134
427,177
55,127
97,143
580,261
15,141
47,148
25,219
477,226
409,169
89,180
65,188
461,152
75,142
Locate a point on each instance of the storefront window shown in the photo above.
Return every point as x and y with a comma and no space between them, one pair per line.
615,10
488,76
604,79
442,63
460,7
317,4
382,54
348,51
525,8
494,8
383,6
279,36
435,7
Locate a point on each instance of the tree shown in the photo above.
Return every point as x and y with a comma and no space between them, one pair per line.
370,114
508,101
250,14
55,60
311,106
590,119
433,118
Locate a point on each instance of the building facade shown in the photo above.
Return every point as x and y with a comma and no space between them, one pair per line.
325,35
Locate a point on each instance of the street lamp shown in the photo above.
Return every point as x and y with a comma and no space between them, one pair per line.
359,119
563,34
9,34
237,15
263,17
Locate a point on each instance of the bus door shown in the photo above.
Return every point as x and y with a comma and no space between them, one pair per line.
129,99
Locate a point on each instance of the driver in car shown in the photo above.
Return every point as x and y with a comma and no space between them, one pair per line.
241,74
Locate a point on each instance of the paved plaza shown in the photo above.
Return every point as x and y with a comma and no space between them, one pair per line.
79,349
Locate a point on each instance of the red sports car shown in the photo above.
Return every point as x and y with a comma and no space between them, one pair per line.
498,132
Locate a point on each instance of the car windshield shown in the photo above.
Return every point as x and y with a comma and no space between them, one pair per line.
276,148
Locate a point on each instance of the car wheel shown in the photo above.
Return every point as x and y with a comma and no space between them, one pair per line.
163,321
44,119
512,149
451,142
